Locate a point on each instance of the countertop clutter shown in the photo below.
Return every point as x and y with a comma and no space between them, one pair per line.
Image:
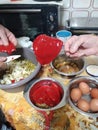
24,117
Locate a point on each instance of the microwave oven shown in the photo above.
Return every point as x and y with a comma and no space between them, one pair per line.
30,19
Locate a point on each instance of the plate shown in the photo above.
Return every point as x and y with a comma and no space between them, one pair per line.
92,70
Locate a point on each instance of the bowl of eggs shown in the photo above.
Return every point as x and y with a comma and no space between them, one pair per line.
66,66
46,94
83,95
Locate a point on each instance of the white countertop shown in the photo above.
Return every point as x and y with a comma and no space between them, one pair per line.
29,2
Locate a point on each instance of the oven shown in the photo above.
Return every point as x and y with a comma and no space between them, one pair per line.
30,19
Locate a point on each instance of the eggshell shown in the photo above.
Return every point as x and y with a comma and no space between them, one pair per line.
94,105
75,94
94,92
83,105
84,87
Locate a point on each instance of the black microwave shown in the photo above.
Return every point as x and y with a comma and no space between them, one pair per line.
30,19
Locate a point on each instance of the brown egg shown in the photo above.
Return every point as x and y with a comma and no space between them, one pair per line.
94,92
75,94
94,105
83,105
84,87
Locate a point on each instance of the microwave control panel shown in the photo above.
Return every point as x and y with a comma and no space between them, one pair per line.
52,17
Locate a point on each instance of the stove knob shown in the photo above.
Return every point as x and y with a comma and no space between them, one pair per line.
51,18
51,28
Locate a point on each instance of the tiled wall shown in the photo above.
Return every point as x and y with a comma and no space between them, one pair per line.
78,8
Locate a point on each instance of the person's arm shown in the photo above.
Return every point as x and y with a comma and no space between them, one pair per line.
83,45
5,37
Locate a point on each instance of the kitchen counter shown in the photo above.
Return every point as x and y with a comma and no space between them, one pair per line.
23,117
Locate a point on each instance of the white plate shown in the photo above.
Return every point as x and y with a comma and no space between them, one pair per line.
92,70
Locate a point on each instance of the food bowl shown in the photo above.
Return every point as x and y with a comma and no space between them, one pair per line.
26,54
66,66
45,94
83,95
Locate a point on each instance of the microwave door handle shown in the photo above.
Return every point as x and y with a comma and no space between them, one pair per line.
21,10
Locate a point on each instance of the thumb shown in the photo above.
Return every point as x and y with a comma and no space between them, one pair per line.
2,59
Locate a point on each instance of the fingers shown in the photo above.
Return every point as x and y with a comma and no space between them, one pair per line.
70,42
2,59
3,37
3,66
84,52
6,36
11,37
74,47
78,41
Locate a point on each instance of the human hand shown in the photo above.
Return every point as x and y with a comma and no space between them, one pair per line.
2,64
83,45
6,36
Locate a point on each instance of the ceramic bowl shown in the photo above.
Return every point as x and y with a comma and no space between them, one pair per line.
28,54
34,86
68,67
92,70
82,108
